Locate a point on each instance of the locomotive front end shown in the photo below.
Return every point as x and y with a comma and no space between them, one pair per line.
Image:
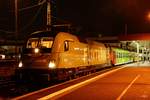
36,60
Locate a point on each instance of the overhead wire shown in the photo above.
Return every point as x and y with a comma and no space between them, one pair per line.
40,3
32,20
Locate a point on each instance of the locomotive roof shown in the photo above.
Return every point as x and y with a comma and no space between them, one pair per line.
51,34
43,33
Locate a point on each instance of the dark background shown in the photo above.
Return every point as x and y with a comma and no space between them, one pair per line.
89,17
108,16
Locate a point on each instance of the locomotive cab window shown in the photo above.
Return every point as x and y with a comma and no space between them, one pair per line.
32,43
66,45
46,43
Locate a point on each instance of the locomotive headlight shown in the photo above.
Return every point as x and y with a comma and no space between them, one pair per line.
52,64
36,50
20,64
3,56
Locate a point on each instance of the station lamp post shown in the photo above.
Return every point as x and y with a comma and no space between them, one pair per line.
16,29
137,48
148,16
16,18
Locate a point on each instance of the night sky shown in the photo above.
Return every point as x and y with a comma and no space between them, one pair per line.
92,17
108,16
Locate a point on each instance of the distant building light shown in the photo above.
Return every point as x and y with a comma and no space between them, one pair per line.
99,35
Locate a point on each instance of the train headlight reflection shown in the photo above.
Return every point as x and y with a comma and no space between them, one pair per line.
20,64
52,64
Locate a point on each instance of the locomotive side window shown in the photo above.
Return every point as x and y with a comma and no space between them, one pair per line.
66,45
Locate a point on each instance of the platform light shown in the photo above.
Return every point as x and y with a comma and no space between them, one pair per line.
148,15
140,55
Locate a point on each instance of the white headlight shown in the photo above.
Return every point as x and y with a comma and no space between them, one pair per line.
3,56
20,64
52,64
36,50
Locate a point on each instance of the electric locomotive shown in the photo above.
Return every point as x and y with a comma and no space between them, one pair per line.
60,56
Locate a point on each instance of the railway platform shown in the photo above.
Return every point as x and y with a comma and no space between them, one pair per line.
116,84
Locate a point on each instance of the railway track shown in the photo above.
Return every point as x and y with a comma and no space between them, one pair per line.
6,83
10,89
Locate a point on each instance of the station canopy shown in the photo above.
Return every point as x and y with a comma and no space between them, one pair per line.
142,39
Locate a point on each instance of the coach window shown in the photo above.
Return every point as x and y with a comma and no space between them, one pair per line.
66,45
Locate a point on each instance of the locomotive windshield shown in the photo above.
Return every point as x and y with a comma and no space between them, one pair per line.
42,42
